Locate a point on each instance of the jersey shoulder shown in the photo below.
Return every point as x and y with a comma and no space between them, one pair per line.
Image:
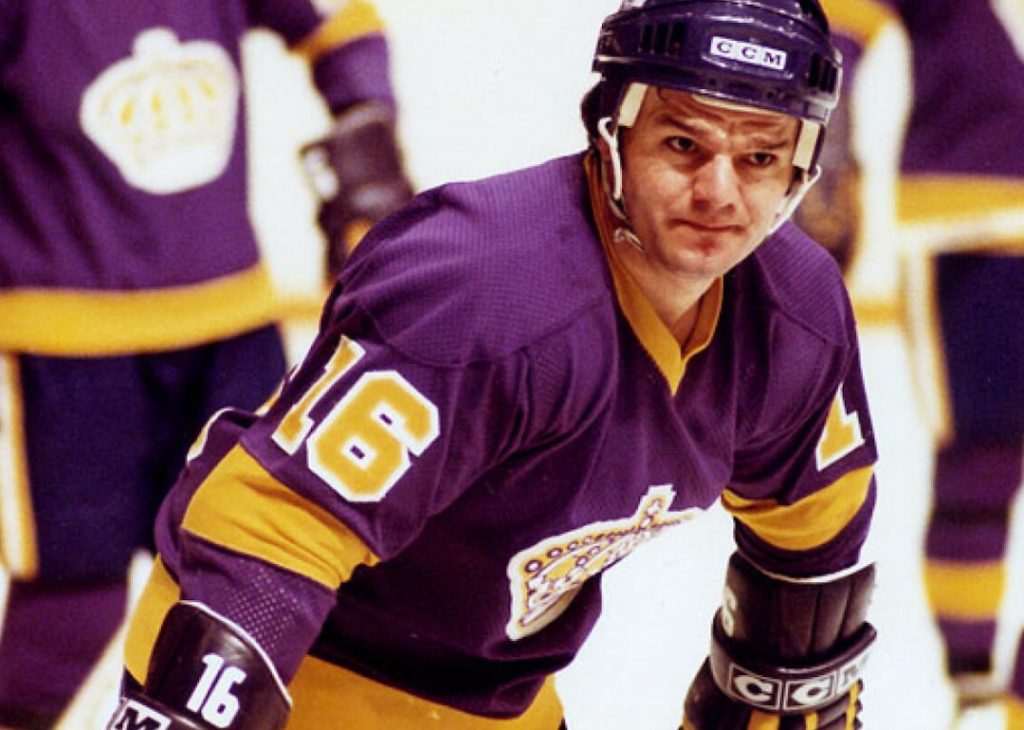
477,270
800,282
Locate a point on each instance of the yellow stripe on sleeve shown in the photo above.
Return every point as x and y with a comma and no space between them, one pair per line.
357,19
160,593
242,507
965,592
808,523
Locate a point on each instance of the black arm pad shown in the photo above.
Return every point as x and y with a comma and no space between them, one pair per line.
791,619
204,674
790,645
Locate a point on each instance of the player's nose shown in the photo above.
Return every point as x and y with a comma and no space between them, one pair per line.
715,183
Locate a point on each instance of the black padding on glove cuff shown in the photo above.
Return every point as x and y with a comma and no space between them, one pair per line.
790,621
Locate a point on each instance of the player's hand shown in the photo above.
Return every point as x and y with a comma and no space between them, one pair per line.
356,170
709,708
786,653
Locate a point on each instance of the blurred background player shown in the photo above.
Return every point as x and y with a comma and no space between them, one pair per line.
414,533
960,205
133,300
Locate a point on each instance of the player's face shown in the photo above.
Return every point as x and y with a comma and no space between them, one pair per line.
702,183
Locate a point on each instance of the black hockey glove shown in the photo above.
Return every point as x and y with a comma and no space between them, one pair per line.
786,651
356,170
204,674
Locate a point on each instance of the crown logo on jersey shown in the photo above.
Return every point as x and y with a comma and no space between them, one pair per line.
545,577
165,116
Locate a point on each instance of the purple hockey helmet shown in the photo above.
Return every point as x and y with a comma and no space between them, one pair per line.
770,54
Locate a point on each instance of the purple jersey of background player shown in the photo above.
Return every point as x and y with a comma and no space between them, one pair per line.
957,125
94,257
552,424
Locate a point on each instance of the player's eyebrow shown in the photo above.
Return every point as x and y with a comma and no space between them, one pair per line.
770,144
770,140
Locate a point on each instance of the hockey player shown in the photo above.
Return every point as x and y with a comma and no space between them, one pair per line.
133,304
959,202
519,380
963,289
960,194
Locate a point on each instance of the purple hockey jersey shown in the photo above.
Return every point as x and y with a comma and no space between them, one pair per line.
492,415
123,205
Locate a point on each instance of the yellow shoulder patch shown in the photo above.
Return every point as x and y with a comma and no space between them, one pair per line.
842,434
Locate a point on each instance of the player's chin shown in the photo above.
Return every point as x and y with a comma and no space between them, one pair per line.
711,256
699,268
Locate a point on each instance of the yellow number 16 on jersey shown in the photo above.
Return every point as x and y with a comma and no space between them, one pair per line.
361,447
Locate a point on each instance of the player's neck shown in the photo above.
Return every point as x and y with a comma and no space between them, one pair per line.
676,300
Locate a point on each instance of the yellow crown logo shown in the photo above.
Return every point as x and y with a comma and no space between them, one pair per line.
165,116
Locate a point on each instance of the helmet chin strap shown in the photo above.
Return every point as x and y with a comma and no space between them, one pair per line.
807,172
803,159
803,181
613,193
608,128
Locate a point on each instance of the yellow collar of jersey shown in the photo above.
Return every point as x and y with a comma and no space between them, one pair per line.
655,337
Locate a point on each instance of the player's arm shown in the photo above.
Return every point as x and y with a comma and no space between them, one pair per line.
357,172
205,673
255,569
356,169
248,570
784,650
791,637
270,517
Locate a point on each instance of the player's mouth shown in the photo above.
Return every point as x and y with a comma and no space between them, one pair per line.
711,229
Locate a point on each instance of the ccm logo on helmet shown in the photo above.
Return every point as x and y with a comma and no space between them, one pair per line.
751,53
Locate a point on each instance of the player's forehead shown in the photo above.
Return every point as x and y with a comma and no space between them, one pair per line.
662,106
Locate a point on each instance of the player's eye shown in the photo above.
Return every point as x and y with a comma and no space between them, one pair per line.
681,144
761,159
